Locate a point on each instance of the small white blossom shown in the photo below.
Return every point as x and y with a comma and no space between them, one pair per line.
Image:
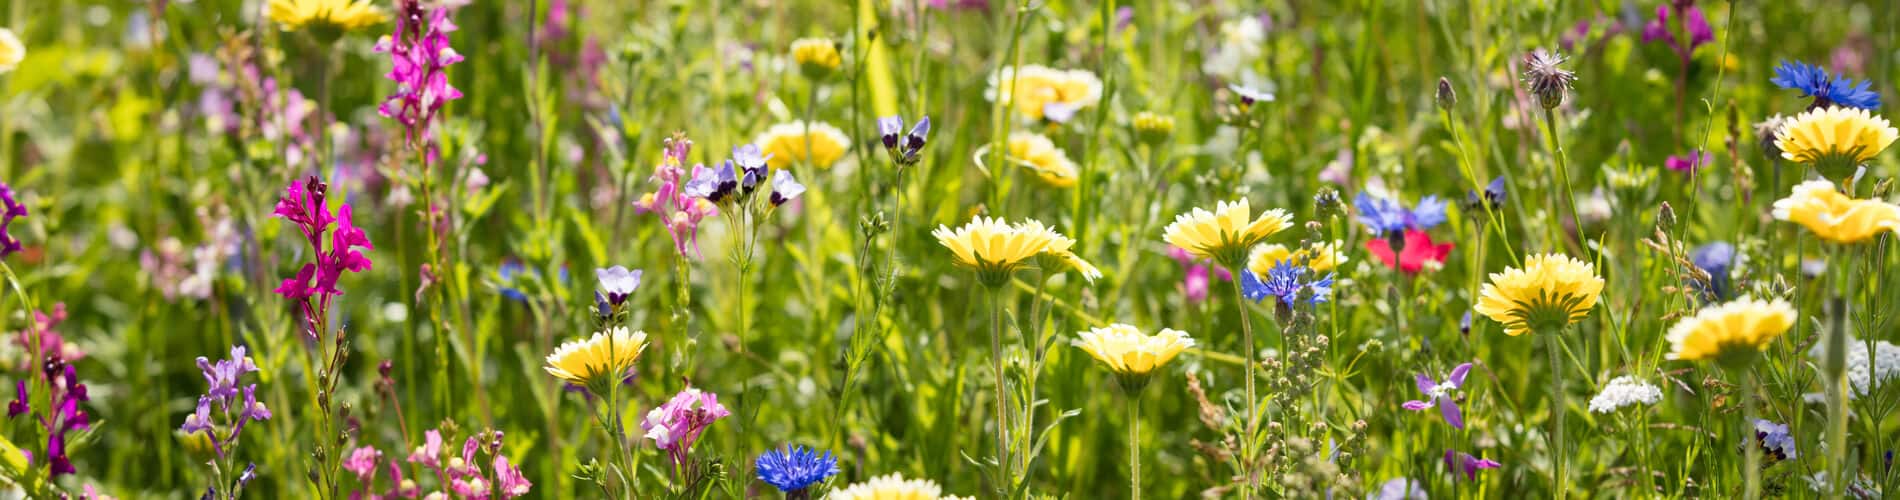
1625,391
1862,370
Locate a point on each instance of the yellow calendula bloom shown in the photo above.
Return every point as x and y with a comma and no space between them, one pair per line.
334,15
993,248
1040,155
787,143
1550,291
891,486
1731,332
1125,350
1834,216
1320,258
11,51
816,57
1226,234
1835,136
1037,91
598,360
1152,128
1059,253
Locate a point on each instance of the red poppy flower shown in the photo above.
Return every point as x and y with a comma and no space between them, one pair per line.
1419,249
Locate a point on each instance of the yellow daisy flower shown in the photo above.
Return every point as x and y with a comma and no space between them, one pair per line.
328,15
1321,258
1036,90
1834,216
1837,137
599,360
1058,254
1551,291
1126,350
992,248
787,142
11,51
816,57
1040,155
1225,234
1152,128
1730,333
891,486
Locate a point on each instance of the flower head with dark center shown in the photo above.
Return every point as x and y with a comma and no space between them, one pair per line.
785,187
1812,81
1776,442
617,283
795,468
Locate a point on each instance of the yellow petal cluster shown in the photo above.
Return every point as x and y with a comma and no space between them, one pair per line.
1849,134
1031,89
787,143
1040,155
11,51
988,244
341,15
1322,257
1739,328
1834,216
1227,233
605,356
816,56
1550,290
1061,251
1126,350
891,486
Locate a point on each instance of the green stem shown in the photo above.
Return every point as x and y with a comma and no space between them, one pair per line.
1134,444
1559,406
1253,412
1752,470
1563,176
1007,481
1835,368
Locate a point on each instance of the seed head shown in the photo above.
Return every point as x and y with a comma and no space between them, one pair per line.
1547,79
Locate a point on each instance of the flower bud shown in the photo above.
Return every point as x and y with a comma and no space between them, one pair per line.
1446,97
1152,128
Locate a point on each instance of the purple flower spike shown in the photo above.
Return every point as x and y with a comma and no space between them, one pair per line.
1441,395
1459,461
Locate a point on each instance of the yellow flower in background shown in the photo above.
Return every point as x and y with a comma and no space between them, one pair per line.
336,15
816,57
1059,254
1226,234
1320,258
787,142
1731,332
11,51
891,486
1834,216
1550,291
1040,155
992,248
1125,350
1039,92
599,360
1836,136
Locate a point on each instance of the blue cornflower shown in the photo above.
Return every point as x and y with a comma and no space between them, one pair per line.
1387,216
507,272
795,468
1716,259
1285,281
1814,82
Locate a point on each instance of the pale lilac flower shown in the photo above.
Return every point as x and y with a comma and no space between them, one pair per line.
617,283
785,188
1442,395
1459,461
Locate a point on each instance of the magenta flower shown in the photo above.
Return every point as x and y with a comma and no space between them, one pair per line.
430,452
1459,461
674,426
305,206
1442,395
675,202
420,55
363,461
13,209
1685,163
1693,24
509,479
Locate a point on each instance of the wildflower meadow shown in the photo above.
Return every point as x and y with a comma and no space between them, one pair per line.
936,249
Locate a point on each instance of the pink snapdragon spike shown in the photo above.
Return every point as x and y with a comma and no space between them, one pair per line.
674,426
679,211
1442,395
420,55
303,204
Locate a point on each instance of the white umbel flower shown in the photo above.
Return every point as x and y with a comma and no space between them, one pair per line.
1625,391
1864,372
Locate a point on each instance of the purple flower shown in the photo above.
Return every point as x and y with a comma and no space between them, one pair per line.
1459,461
509,479
363,461
1442,395
675,425
617,283
420,55
1697,27
750,157
199,419
1812,81
904,152
18,406
1285,282
681,207
222,379
222,375
1493,196
785,188
1685,163
889,128
795,468
1399,488
430,452
919,134
304,206
13,209
1386,216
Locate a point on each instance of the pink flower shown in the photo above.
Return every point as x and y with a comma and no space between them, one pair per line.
429,453
674,426
509,479
1419,250
363,463
678,211
1685,163
305,206
420,55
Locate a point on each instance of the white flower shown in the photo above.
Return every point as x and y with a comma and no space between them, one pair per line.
1862,370
1243,41
1625,391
